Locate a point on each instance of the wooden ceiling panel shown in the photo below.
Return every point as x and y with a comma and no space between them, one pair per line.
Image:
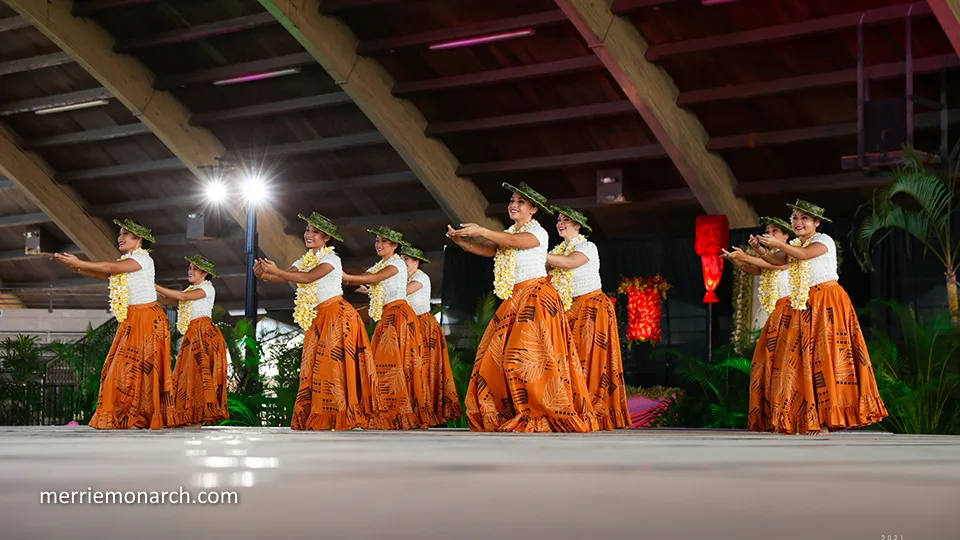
157,17
311,81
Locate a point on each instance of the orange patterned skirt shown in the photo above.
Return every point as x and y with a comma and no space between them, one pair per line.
136,383
336,376
402,391
527,376
593,322
812,369
200,377
442,399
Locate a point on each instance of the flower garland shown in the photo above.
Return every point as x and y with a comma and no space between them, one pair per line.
119,293
769,289
378,290
305,305
185,309
644,306
505,263
562,278
742,306
799,278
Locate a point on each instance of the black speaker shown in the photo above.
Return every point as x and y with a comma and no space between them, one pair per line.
196,226
885,125
610,186
36,242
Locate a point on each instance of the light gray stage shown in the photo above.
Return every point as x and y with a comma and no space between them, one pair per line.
449,484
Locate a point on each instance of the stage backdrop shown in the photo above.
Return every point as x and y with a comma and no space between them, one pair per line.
903,274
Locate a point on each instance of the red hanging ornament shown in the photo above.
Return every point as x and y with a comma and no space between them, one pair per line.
713,235
644,307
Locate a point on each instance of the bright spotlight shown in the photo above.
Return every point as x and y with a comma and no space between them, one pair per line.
254,190
216,192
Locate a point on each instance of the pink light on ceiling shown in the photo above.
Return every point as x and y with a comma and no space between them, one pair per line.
715,2
257,76
479,40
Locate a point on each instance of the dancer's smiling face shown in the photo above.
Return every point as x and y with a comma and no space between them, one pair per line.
412,264
195,275
567,227
385,247
127,241
314,238
520,209
777,233
804,225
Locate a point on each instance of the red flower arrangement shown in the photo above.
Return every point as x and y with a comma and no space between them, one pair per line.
644,306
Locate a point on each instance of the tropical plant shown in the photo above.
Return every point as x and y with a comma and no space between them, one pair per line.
462,355
245,385
724,397
86,356
923,204
918,372
285,356
21,380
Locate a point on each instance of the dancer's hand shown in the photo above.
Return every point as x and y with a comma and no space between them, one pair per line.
754,242
451,232
471,229
363,289
736,255
67,259
269,267
771,242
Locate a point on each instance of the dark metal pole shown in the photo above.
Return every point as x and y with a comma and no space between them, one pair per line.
250,305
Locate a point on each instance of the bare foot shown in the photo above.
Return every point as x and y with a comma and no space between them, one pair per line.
824,431
193,426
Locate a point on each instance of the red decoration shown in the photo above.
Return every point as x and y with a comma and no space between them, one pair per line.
644,307
713,235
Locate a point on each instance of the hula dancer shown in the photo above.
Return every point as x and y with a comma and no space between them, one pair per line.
593,321
336,373
527,376
136,383
200,375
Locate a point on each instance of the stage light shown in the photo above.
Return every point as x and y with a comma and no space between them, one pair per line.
257,76
254,189
72,107
481,39
216,192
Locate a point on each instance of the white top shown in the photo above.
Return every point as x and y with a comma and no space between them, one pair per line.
586,278
330,285
824,267
783,283
532,262
420,300
395,288
141,285
204,306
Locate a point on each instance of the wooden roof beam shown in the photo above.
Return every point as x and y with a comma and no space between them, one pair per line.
533,20
620,7
34,179
334,46
14,255
496,76
948,14
288,61
784,32
565,114
130,81
633,153
621,48
13,23
89,7
193,33
34,62
930,64
86,137
332,7
59,100
332,99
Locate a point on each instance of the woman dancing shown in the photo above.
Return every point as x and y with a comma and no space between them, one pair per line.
527,376
336,373
826,379
442,398
397,349
200,376
136,383
592,318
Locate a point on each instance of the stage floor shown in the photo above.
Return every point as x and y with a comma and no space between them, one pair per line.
448,484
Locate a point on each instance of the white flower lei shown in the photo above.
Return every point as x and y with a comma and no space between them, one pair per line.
799,278
378,290
119,292
769,289
563,277
305,305
505,263
185,309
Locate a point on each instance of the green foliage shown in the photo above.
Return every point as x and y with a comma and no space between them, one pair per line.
724,396
918,372
245,384
282,393
86,356
462,357
21,380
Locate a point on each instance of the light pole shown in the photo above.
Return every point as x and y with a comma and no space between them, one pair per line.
253,191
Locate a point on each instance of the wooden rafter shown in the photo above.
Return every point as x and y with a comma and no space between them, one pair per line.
89,7
288,61
624,6
13,23
59,100
331,7
552,116
130,81
621,48
332,99
33,177
784,32
334,46
192,33
948,14
88,136
34,62
496,76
